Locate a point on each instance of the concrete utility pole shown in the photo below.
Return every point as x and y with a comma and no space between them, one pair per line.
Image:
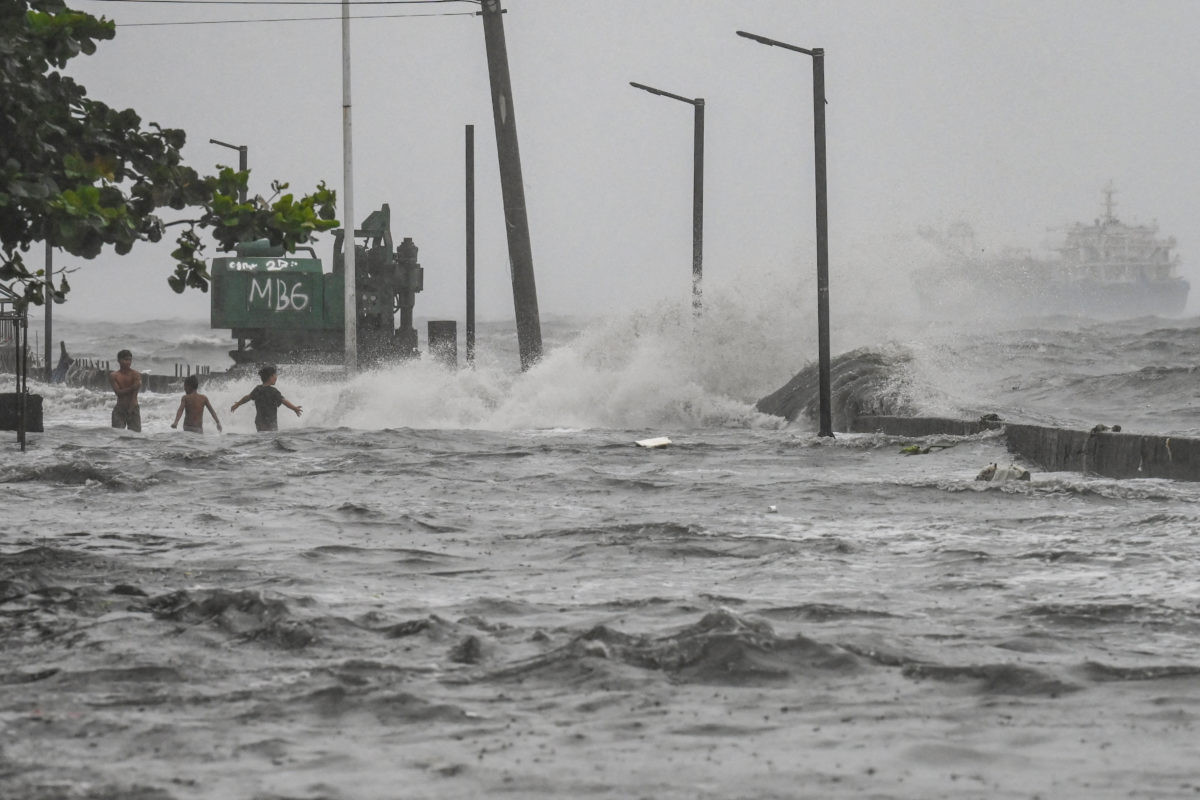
818,61
516,222
697,185
351,295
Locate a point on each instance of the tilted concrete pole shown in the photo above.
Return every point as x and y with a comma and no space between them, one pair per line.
516,222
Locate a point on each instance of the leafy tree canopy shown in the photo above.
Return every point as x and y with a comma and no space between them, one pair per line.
81,175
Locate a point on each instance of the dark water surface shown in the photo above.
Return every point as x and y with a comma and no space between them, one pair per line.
463,604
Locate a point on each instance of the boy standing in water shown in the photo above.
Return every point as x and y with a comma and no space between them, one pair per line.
267,400
191,407
126,382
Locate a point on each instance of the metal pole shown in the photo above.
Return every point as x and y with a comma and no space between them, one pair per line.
351,295
818,57
23,376
697,185
818,60
512,186
49,308
16,329
470,170
243,159
698,205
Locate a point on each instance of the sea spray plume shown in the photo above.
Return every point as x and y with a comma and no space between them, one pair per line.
646,369
654,367
661,367
420,394
641,371
667,367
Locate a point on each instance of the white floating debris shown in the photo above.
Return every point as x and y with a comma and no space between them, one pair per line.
772,509
657,441
1010,473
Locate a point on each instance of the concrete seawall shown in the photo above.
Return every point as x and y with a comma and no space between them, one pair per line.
1107,453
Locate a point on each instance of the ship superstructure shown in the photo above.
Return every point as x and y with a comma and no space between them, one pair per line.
1104,269
1110,251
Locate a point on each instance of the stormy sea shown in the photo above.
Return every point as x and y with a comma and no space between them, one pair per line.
468,582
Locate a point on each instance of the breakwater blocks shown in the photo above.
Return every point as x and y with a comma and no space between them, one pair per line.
1098,452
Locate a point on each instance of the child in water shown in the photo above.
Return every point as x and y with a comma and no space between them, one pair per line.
267,400
191,407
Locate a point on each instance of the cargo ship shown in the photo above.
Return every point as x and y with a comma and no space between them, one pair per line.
1106,269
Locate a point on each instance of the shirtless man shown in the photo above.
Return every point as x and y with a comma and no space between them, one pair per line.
191,407
126,383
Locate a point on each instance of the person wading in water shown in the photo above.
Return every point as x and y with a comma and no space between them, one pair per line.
126,382
267,400
191,407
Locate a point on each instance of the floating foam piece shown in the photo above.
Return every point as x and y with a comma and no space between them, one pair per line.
998,474
1010,473
657,441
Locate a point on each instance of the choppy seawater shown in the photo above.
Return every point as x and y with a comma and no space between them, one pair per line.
471,583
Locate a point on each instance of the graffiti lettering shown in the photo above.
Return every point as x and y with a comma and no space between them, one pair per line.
260,292
275,294
269,265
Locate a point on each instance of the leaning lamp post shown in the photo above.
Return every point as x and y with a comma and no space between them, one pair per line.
818,60
697,185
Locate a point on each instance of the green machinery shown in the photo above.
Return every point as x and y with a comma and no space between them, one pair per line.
287,308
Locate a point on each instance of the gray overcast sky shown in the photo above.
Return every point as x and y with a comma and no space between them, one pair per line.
1009,115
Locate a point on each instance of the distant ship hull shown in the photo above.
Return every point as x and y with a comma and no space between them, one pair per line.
947,294
1105,269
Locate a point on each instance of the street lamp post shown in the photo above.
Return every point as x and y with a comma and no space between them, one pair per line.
818,60
242,151
470,218
349,249
697,185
